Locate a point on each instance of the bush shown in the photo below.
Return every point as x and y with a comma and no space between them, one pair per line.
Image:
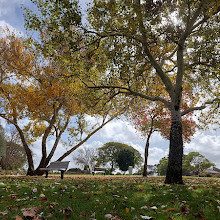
74,170
108,172
13,172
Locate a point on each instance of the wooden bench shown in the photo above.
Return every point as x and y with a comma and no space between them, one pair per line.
99,170
56,165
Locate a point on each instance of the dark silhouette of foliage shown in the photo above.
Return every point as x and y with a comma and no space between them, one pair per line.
125,159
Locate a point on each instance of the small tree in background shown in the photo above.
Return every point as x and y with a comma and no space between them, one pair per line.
108,154
193,163
86,157
125,159
14,158
162,166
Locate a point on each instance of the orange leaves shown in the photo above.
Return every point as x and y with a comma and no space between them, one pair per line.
16,56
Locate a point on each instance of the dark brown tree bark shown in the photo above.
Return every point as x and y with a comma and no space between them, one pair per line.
174,169
43,164
30,171
145,158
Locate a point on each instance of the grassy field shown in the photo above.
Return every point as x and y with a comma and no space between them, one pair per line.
109,197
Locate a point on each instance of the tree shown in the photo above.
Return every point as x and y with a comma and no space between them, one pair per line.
125,159
15,157
193,163
162,166
170,42
49,102
142,46
108,154
157,118
87,157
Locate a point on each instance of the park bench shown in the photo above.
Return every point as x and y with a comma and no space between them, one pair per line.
99,170
56,165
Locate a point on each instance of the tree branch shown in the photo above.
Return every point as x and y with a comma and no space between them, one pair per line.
85,139
166,80
130,92
199,107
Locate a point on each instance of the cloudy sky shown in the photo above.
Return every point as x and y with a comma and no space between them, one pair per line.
205,142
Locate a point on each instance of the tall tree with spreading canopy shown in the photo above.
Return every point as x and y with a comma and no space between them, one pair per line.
34,90
173,43
141,43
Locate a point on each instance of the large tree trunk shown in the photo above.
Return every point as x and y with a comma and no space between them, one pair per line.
43,161
174,169
30,171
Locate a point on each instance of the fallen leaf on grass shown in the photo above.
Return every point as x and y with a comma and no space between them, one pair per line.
18,217
43,199
108,216
32,212
42,195
29,213
66,210
4,213
145,207
154,207
185,209
146,217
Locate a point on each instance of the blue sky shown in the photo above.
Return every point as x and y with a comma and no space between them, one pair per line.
205,142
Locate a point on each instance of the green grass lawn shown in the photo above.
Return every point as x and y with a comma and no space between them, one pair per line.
108,197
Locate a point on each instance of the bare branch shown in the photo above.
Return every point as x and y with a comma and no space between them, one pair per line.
200,107
131,92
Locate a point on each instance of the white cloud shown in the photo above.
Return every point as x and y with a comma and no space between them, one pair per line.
118,131
4,25
208,144
155,154
8,7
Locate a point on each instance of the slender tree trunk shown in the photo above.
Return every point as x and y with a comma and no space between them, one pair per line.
147,145
30,171
174,169
145,158
56,142
42,163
